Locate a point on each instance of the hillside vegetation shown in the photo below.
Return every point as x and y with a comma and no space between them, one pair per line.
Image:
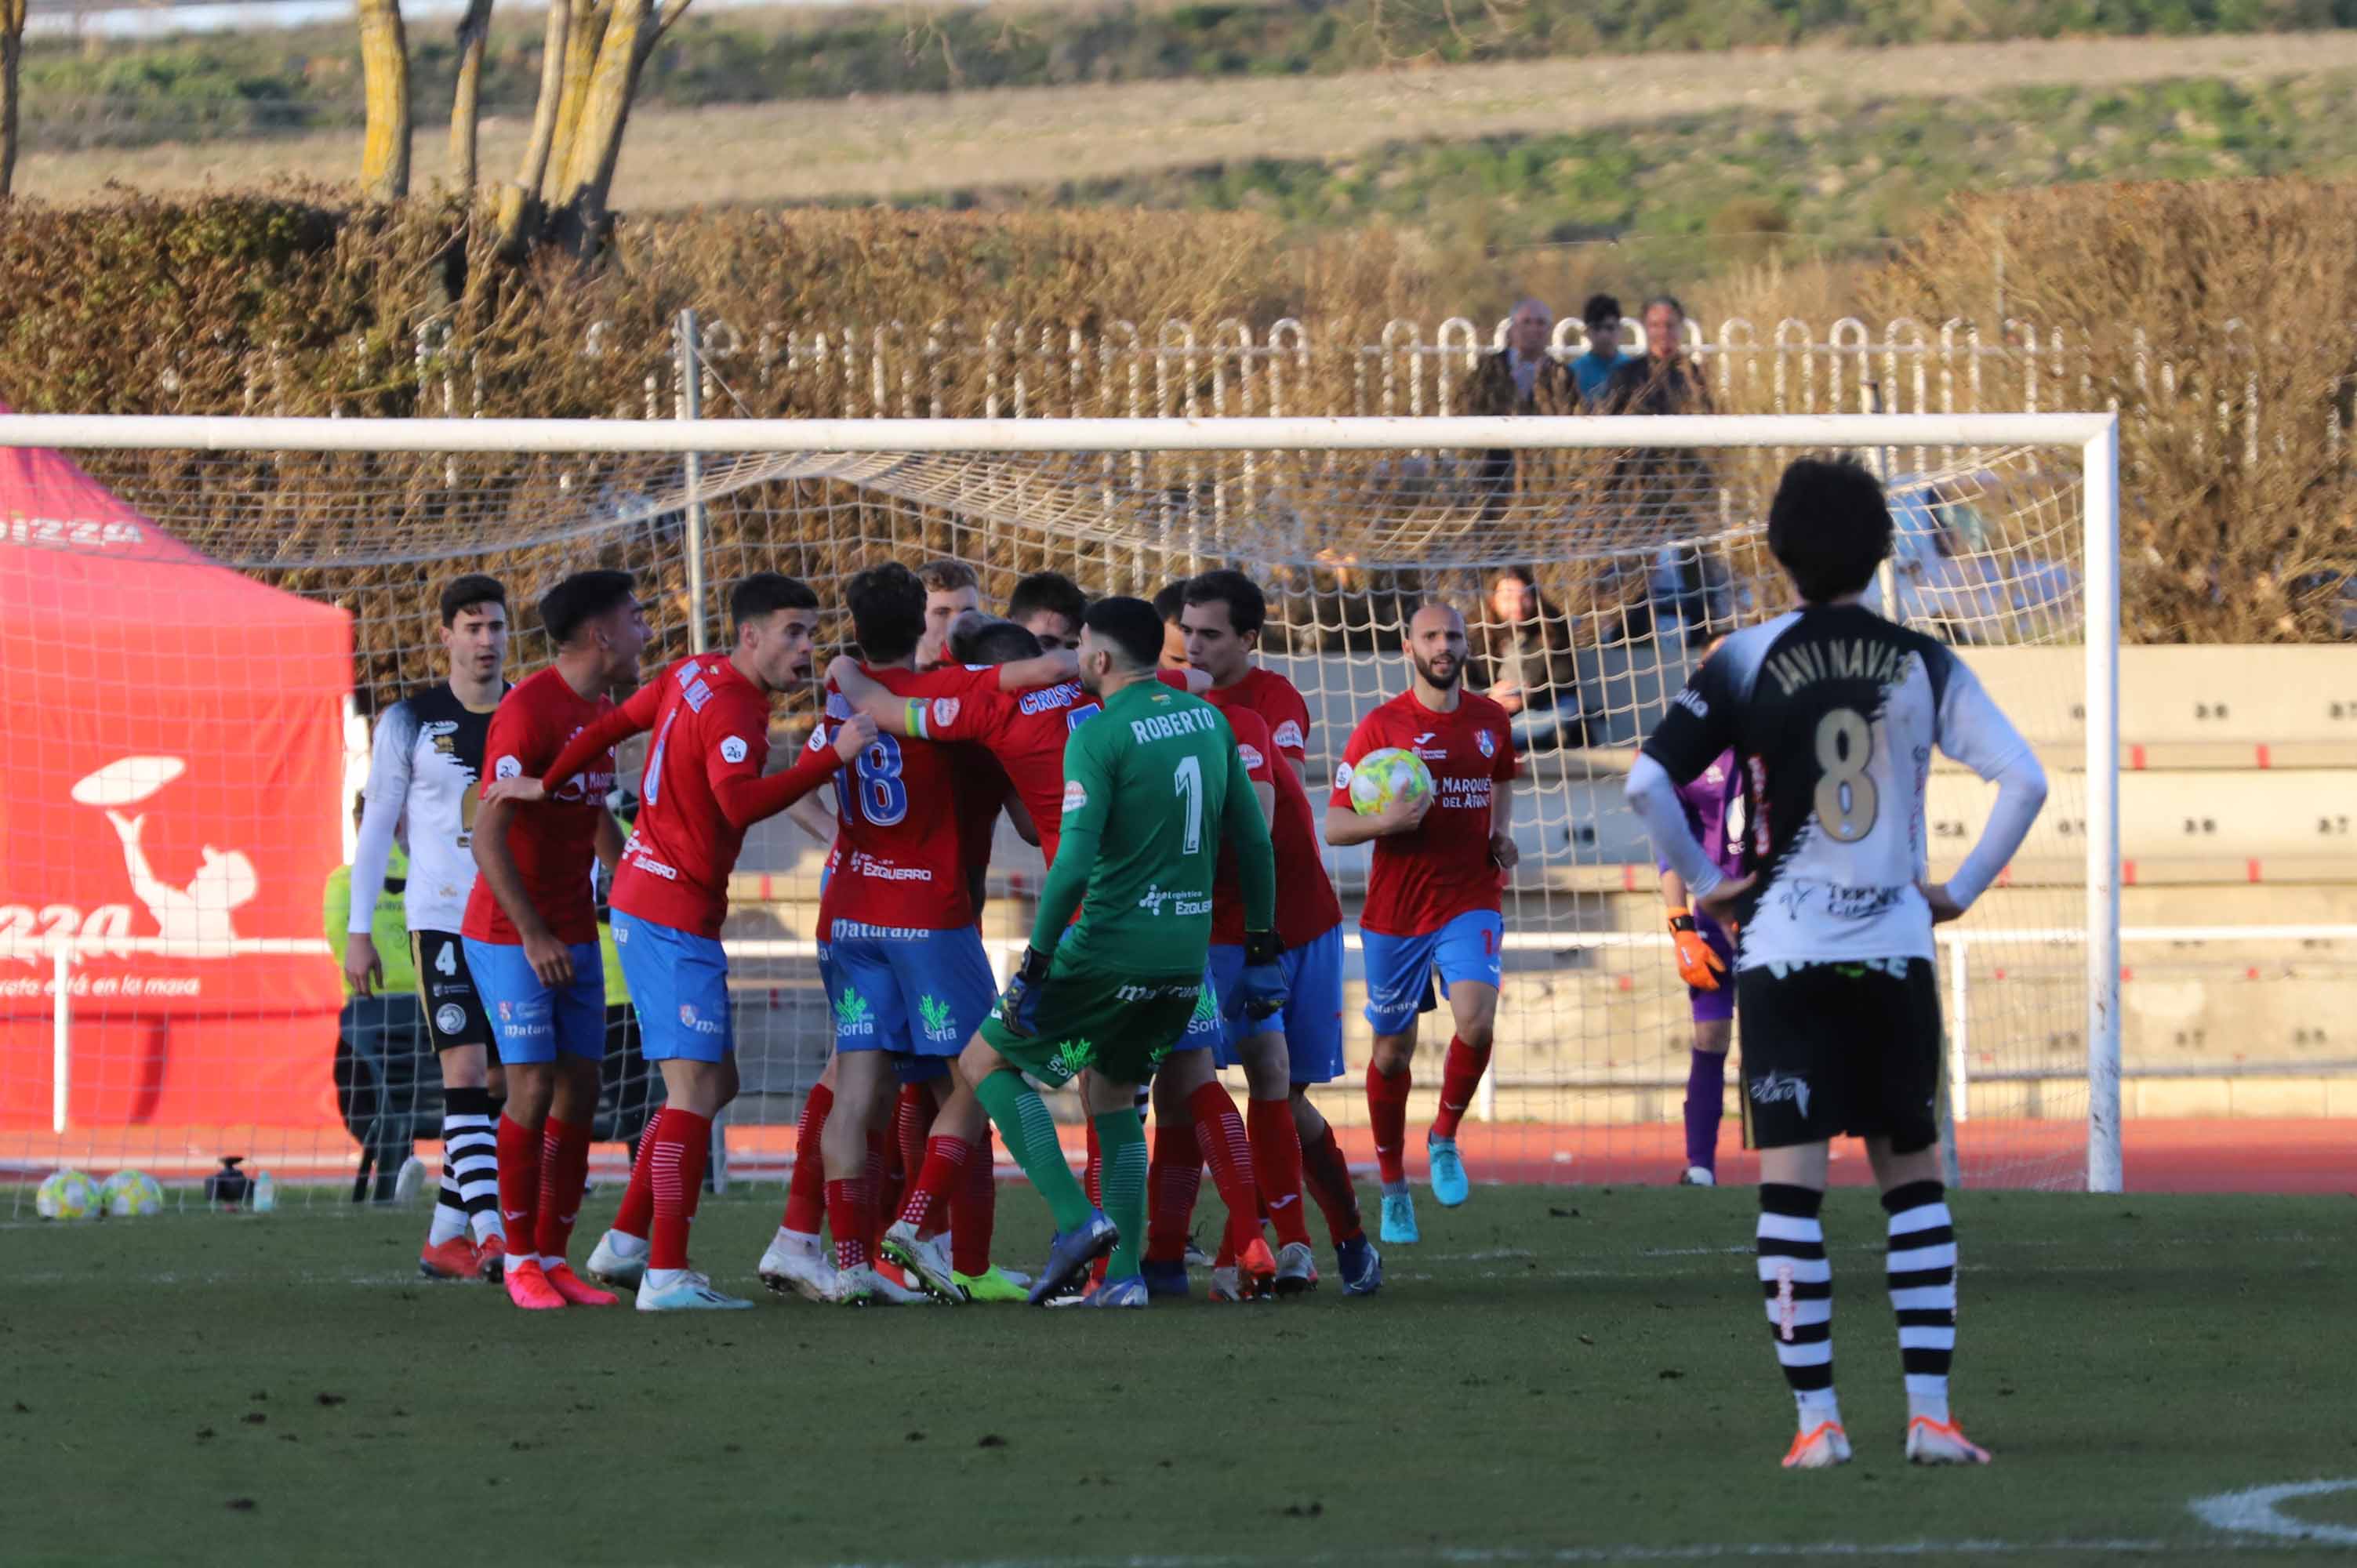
278,83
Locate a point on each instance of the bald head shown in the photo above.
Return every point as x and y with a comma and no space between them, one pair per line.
1530,328
1436,644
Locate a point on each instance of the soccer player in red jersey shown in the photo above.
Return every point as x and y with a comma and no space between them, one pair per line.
1432,897
905,961
530,928
1290,1050
1049,606
703,790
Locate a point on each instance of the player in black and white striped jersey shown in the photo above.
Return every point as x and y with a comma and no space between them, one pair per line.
425,781
1833,715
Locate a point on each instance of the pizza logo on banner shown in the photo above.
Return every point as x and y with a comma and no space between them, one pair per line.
1486,742
733,749
1075,796
945,712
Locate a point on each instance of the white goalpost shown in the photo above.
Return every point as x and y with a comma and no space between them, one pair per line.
212,593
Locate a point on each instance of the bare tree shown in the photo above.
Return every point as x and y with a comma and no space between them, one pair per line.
589,75
12,59
384,75
474,34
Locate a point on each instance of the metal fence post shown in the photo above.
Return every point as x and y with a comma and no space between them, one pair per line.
691,407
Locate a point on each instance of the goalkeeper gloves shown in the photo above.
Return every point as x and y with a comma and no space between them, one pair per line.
1261,989
1699,964
1018,1006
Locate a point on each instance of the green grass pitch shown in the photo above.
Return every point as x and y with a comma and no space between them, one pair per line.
1557,1375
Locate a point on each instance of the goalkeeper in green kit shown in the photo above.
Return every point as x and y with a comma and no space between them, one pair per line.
1152,786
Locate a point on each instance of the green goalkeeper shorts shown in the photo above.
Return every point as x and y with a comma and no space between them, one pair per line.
1121,1025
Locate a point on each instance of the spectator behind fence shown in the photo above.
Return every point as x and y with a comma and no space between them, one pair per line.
1665,380
1591,371
1522,378
1525,664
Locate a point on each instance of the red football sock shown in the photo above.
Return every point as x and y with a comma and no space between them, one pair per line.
973,1212
1459,1081
806,1194
912,1119
518,1184
563,1177
638,1211
847,1206
1276,1161
682,1144
1387,1117
944,1162
1327,1175
1173,1179
1220,1134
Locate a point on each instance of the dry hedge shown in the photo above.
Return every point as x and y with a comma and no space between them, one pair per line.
2228,314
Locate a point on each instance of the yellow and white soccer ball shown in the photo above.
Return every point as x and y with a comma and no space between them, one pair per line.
131,1195
1380,777
67,1195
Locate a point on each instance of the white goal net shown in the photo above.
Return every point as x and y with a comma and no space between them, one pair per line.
202,619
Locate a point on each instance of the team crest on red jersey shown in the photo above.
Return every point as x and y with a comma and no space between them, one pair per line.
1486,742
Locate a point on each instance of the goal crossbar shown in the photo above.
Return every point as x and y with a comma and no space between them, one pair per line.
207,434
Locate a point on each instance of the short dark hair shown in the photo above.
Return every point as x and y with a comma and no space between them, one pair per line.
1133,626
887,611
1669,299
1247,606
1050,591
1599,308
946,576
582,597
978,641
766,593
465,593
1829,526
1168,601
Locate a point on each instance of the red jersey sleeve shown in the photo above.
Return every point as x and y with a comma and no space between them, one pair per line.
634,717
517,745
1366,737
1289,721
1253,745
961,704
735,733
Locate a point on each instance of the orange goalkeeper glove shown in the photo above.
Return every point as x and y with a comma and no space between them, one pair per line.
1699,964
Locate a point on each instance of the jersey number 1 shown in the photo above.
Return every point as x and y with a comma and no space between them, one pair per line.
1187,780
1847,802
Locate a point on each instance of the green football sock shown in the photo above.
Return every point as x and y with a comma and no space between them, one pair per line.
1024,1121
1122,1142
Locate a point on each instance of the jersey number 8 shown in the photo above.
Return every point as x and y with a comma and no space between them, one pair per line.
883,797
1847,800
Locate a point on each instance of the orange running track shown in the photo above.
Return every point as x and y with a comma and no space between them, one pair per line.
2310,1155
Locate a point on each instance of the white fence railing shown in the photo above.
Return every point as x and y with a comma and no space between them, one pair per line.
1409,368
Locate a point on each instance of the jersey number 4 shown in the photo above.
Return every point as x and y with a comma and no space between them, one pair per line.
1847,800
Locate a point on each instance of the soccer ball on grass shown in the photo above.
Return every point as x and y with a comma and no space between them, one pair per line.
1382,777
67,1195
131,1195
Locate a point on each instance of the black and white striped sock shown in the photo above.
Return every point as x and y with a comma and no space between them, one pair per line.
470,1160
1798,1284
1922,1274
